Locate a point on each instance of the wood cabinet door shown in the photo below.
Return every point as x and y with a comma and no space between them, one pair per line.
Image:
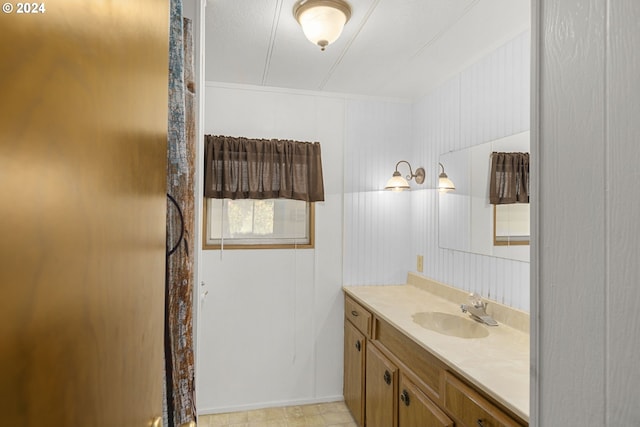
83,154
354,365
416,410
380,384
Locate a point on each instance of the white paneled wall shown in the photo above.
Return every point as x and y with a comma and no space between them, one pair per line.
377,222
286,305
384,232
270,326
487,101
587,271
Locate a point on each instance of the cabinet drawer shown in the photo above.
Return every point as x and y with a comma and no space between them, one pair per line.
470,408
357,315
425,366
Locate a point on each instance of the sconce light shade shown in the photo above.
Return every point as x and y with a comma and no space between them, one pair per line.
398,183
444,183
322,20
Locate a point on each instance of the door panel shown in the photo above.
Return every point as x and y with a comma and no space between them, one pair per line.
416,409
83,122
354,365
381,384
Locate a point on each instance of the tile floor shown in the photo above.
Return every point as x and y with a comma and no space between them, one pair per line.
334,414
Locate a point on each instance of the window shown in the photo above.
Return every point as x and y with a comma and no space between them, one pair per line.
511,224
259,193
258,224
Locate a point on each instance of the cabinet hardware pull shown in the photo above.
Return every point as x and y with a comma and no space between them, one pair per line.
355,313
358,346
404,396
480,423
387,377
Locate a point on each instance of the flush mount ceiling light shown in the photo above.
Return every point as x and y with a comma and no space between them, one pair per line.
444,183
322,20
398,183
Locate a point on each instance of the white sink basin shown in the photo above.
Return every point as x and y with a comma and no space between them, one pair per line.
450,324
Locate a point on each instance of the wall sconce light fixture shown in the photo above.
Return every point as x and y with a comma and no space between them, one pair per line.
398,183
444,183
322,20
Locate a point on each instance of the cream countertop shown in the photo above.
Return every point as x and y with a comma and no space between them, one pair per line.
498,364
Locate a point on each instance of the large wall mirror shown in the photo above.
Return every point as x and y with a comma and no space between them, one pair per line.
466,220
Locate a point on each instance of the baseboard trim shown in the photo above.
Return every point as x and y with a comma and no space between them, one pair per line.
272,404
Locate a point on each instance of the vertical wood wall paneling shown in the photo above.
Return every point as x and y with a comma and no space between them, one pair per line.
622,154
489,100
377,222
572,214
295,295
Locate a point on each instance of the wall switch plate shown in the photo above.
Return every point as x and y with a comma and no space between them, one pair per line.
420,266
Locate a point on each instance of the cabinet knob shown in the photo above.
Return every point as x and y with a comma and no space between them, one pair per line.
387,377
404,397
480,423
358,346
354,313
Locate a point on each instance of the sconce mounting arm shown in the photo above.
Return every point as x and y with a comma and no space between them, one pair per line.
419,175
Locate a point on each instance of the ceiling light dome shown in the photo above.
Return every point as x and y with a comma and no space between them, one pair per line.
322,20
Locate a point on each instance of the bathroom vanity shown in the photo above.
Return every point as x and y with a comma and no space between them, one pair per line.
411,359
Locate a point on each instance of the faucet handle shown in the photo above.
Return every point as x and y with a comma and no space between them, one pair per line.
476,300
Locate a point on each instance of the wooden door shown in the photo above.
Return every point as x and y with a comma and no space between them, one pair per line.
83,122
416,410
380,385
354,365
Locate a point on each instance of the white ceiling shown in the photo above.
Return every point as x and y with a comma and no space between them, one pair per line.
390,48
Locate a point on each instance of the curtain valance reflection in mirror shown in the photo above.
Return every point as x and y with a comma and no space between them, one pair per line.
242,168
509,178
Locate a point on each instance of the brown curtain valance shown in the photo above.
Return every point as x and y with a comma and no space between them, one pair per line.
509,178
242,168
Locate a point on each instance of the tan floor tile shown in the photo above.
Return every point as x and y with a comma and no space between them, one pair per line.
238,417
293,412
337,417
308,410
333,407
266,414
332,414
312,421
268,423
218,420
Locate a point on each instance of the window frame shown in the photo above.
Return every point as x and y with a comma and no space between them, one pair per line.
506,240
217,246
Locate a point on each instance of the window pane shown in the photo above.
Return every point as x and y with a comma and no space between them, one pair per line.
251,222
512,223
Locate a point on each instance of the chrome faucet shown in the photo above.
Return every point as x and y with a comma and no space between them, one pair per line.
477,310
